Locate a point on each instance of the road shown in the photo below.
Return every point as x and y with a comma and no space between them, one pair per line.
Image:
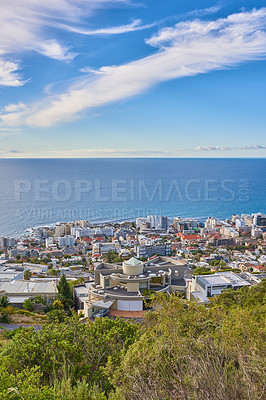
12,327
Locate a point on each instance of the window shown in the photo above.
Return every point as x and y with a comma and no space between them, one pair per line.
143,285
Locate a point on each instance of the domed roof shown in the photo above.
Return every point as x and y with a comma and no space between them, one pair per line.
132,267
133,261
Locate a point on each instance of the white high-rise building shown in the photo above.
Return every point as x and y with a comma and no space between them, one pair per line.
140,221
67,240
153,220
212,222
255,232
59,230
49,242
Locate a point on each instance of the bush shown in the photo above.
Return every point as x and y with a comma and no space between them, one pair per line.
5,317
27,305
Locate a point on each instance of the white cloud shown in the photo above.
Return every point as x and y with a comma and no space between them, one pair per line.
212,148
253,147
112,30
240,28
8,73
227,148
23,26
136,25
15,107
52,49
113,153
187,49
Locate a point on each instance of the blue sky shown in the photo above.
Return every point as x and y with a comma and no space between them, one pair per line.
129,78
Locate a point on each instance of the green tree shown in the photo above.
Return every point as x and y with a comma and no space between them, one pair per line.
24,385
39,300
58,305
65,293
27,275
27,305
57,315
5,318
202,271
52,272
208,355
4,301
71,350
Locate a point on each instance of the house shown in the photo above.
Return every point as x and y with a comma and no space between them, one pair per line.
122,287
259,268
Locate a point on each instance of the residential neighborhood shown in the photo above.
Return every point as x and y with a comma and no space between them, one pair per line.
116,266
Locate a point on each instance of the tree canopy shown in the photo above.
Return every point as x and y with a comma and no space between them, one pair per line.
181,351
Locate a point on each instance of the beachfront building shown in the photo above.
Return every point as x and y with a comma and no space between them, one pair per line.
121,288
6,242
67,240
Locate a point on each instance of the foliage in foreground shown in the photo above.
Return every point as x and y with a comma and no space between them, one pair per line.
182,351
193,352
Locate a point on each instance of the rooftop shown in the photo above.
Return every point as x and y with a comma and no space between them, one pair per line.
31,287
133,261
223,278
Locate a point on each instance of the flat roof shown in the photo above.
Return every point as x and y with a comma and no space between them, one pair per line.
8,275
31,287
82,289
222,278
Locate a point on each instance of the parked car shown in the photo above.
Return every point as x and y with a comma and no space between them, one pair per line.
102,313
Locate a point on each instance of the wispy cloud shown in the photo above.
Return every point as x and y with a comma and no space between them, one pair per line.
23,26
212,148
10,153
200,151
114,153
202,12
15,107
253,147
188,48
52,49
228,148
136,25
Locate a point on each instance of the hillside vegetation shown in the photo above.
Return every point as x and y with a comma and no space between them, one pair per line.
181,351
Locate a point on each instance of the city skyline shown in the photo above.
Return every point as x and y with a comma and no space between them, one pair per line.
124,78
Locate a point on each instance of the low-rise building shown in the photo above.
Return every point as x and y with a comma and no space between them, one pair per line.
19,290
143,250
202,287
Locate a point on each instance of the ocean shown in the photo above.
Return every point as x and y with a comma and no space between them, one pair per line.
35,192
